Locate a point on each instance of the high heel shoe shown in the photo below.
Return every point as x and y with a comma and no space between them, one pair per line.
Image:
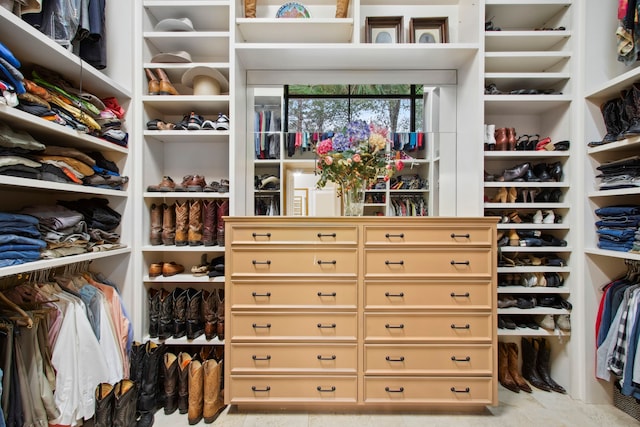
514,238
555,171
525,195
513,194
522,142
532,194
533,142
501,196
154,84
166,88
554,195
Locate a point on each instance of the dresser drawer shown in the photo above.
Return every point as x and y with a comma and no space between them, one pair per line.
428,294
303,233
456,262
259,294
292,389
441,391
428,359
293,326
427,235
294,358
411,327
295,261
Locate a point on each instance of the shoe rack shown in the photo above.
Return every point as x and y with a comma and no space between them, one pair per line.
529,89
177,153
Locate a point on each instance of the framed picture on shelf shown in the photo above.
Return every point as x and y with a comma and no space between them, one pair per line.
428,30
383,29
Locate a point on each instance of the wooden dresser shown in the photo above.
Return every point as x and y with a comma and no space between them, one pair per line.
364,312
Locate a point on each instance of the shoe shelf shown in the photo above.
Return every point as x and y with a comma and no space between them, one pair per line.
201,340
524,104
525,184
204,105
183,278
529,332
170,196
198,136
532,290
527,205
534,310
529,41
34,185
525,154
508,81
530,225
200,248
533,269
628,144
532,249
524,62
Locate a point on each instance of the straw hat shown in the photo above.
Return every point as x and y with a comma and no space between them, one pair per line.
205,81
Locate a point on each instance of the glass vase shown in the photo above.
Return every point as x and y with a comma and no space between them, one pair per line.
353,199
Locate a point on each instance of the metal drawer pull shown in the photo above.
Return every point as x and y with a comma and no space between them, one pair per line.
254,388
465,295
388,236
332,357
390,390
267,262
400,326
394,262
261,234
331,326
460,262
465,390
320,262
268,294
256,326
326,390
267,357
332,294
467,326
321,235
466,236
391,359
388,294
466,359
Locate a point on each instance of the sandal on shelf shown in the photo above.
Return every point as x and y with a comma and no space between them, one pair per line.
522,143
157,124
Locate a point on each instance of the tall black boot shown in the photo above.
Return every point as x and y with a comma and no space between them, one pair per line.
632,109
179,313
135,362
611,117
622,119
150,387
165,323
104,405
529,366
195,324
153,298
124,406
543,362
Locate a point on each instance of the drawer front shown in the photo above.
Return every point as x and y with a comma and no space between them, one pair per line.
294,294
295,261
293,358
306,233
428,359
292,389
293,326
409,327
448,262
447,390
436,294
427,235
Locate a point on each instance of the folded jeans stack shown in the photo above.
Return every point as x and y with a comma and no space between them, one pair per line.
617,227
622,173
20,240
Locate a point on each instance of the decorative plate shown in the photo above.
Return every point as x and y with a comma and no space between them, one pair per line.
292,10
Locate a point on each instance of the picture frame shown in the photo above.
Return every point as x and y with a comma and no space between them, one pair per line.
429,30
383,29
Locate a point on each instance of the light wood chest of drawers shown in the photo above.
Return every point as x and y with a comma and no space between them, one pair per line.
369,312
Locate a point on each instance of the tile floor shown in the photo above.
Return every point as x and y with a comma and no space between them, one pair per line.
539,409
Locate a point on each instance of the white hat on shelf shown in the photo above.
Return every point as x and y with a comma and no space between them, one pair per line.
174,24
205,81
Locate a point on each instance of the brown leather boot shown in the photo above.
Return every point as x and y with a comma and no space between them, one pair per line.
182,223
195,223
195,325
511,139
512,354
209,309
213,403
209,222
155,237
154,84
249,8
196,398
342,6
502,141
169,225
166,88
223,210
219,296
170,366
504,377
184,360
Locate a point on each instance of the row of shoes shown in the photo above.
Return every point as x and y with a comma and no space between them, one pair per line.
166,269
189,222
492,89
160,84
526,302
549,322
547,216
490,26
505,139
547,259
525,195
191,121
528,238
526,172
190,183
546,279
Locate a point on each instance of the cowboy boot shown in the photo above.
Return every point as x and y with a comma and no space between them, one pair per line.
182,223
104,405
155,237
196,385
632,108
165,324
342,6
223,210
195,223
195,326
219,296
166,88
512,353
169,225
179,312
154,84
184,360
170,366
529,365
135,362
209,310
153,298
148,395
213,403
125,396
249,8
209,223
502,141
504,376
544,356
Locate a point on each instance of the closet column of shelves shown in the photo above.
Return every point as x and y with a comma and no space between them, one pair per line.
532,51
178,153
